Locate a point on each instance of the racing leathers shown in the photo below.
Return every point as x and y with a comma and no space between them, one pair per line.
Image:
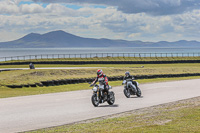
129,77
103,80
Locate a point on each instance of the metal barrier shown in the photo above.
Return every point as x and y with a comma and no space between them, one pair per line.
97,55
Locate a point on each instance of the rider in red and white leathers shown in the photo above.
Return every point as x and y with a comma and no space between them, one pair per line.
103,79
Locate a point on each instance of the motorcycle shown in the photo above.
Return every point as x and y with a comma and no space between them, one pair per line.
131,89
97,97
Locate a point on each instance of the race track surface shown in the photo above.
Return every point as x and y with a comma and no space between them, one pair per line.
40,111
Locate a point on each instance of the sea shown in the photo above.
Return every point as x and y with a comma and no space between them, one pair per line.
13,52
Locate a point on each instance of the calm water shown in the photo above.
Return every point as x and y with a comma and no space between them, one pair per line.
42,53
8,52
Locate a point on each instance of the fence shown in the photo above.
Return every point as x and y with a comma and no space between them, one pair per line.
97,55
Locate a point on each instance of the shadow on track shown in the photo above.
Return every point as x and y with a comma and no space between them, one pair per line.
137,97
115,105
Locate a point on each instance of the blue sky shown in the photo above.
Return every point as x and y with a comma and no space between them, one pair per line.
145,20
72,6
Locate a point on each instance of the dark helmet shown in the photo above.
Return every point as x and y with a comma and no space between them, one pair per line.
99,72
127,73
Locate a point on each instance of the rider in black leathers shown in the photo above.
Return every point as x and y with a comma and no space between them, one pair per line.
128,76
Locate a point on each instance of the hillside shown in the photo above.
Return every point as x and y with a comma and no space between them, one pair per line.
64,39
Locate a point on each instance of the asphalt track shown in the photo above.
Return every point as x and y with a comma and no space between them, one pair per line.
40,111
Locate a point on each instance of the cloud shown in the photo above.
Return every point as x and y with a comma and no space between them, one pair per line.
107,22
7,7
9,35
32,8
152,7
12,7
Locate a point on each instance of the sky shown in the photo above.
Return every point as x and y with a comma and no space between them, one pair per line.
145,20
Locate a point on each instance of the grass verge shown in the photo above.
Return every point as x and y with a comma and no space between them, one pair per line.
19,77
8,92
176,117
189,65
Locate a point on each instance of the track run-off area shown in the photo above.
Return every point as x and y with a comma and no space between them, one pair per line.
26,113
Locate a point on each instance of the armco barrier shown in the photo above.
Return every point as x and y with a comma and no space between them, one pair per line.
87,80
98,55
102,62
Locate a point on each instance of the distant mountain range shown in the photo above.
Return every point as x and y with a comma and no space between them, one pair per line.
61,39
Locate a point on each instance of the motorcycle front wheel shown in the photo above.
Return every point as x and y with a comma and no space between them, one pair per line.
94,100
127,93
111,99
139,93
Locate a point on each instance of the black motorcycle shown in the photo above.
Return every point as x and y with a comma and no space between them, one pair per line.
131,89
101,96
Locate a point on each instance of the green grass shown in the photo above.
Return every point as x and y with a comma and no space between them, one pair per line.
8,92
189,65
35,76
19,77
178,117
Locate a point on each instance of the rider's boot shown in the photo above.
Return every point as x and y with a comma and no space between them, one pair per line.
135,86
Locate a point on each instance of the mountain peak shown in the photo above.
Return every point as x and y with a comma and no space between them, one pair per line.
31,36
59,34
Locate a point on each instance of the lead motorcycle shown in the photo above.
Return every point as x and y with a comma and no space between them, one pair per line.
131,89
97,95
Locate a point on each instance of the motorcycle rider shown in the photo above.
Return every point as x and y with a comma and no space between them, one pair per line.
31,66
128,76
105,82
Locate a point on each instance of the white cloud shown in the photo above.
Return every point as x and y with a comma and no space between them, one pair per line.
32,8
134,35
153,7
8,7
88,21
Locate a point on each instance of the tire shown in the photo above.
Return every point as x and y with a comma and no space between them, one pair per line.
111,100
127,93
94,100
139,93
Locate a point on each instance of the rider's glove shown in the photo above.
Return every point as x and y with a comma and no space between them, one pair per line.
91,85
